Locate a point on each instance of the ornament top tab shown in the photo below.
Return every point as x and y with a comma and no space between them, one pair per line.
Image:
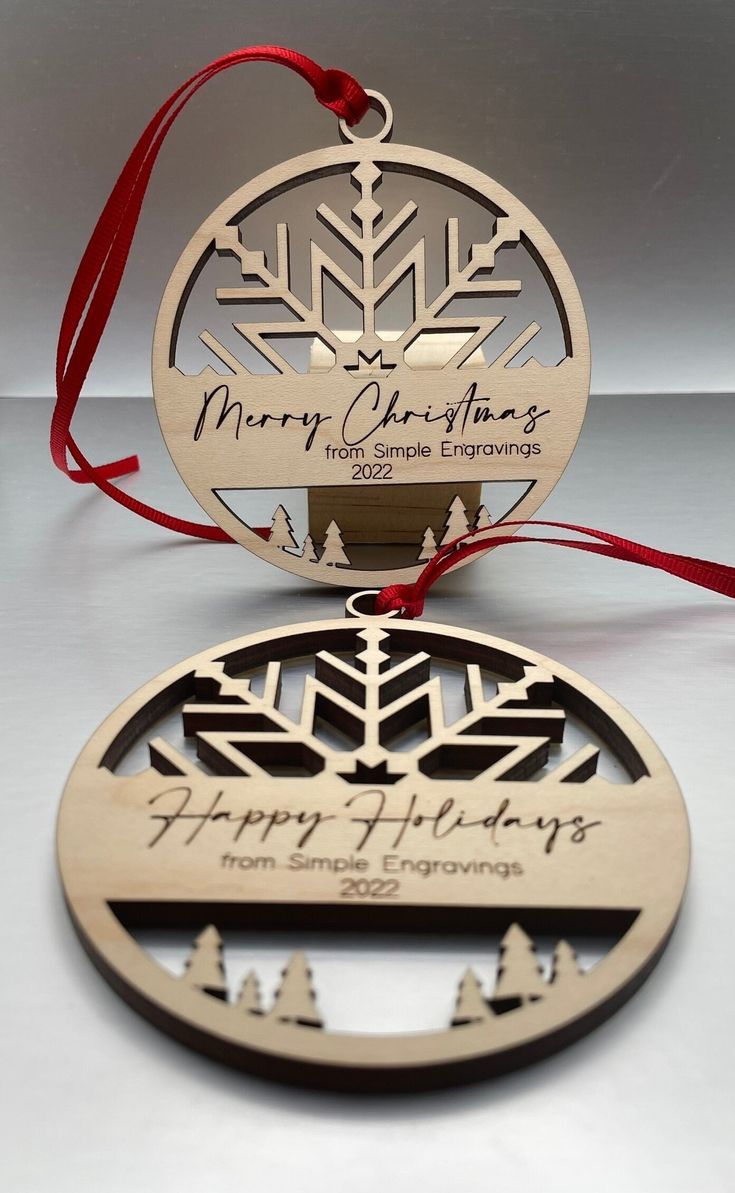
363,353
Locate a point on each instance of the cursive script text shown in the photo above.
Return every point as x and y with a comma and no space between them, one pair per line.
369,812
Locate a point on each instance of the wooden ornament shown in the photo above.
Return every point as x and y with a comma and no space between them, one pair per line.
368,774
391,426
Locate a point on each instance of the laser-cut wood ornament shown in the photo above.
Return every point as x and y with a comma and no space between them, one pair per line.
480,823
387,428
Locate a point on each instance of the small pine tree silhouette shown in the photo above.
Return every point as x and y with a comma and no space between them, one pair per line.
564,965
520,977
295,1001
428,546
456,523
281,534
471,1004
309,551
204,969
334,553
249,998
482,518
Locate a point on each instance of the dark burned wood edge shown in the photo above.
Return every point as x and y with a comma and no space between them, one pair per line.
380,918
356,1079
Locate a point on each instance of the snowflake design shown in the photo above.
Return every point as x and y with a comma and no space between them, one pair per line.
372,701
367,239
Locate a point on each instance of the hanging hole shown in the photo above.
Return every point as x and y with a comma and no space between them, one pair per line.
362,604
379,104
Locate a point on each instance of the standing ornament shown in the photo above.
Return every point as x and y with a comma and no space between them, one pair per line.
332,776
391,423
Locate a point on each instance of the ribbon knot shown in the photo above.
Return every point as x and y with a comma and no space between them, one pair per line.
342,94
405,599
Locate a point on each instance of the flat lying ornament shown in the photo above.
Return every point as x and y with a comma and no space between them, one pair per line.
381,355
422,779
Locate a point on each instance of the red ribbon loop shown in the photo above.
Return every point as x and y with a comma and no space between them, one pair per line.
408,599
343,95
404,599
100,271
93,293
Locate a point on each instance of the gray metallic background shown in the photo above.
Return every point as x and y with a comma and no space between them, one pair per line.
613,122
611,119
95,1099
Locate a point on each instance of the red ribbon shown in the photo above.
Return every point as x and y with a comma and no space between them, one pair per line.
408,599
93,293
100,271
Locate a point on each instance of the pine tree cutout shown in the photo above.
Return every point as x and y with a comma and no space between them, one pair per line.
334,553
482,519
295,1001
520,977
281,534
309,552
249,997
471,1005
428,546
456,524
564,965
204,969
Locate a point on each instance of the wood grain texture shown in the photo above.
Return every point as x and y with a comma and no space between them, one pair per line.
374,516
373,807
447,400
385,514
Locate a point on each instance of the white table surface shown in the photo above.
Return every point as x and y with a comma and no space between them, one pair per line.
97,601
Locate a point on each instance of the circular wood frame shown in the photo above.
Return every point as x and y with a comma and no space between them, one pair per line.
214,463
625,868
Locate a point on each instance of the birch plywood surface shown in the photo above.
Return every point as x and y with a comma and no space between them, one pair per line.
373,803
386,514
286,396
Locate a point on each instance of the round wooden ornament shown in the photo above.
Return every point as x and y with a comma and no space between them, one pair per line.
368,774
410,368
